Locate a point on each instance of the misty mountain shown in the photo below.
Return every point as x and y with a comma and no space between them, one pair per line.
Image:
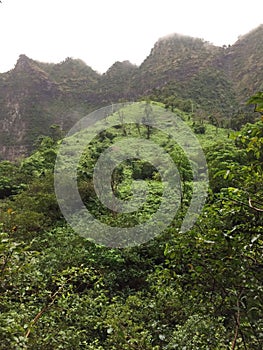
36,95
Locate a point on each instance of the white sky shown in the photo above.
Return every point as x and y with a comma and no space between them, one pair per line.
101,32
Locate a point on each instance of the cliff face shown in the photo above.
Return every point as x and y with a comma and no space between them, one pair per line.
31,100
35,95
21,89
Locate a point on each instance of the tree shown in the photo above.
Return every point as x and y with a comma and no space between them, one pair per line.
257,100
148,118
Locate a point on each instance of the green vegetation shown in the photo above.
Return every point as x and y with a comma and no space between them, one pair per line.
257,100
184,72
198,290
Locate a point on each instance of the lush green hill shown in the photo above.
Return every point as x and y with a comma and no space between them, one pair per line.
198,289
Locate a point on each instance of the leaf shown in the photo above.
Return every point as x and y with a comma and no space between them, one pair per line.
255,238
109,330
257,100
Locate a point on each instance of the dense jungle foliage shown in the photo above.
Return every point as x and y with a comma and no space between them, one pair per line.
202,289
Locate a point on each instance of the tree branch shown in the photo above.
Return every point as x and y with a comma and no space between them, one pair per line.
237,326
252,206
44,309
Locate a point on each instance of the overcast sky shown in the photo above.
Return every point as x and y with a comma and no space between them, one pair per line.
101,32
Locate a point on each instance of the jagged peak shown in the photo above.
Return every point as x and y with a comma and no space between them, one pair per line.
27,67
23,61
23,57
26,64
121,65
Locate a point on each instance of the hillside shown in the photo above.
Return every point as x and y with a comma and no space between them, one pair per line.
73,287
35,95
189,68
116,83
243,63
176,58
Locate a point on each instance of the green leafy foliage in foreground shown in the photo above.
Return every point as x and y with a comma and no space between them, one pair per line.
257,100
198,290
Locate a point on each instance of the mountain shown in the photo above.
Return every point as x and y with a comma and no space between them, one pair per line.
188,68
176,58
35,95
243,63
218,79
116,83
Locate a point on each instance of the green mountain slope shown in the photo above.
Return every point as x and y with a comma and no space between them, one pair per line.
244,63
218,80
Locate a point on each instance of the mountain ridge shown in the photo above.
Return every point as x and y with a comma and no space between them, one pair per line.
35,95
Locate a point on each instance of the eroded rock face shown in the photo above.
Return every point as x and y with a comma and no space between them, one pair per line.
30,102
13,129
